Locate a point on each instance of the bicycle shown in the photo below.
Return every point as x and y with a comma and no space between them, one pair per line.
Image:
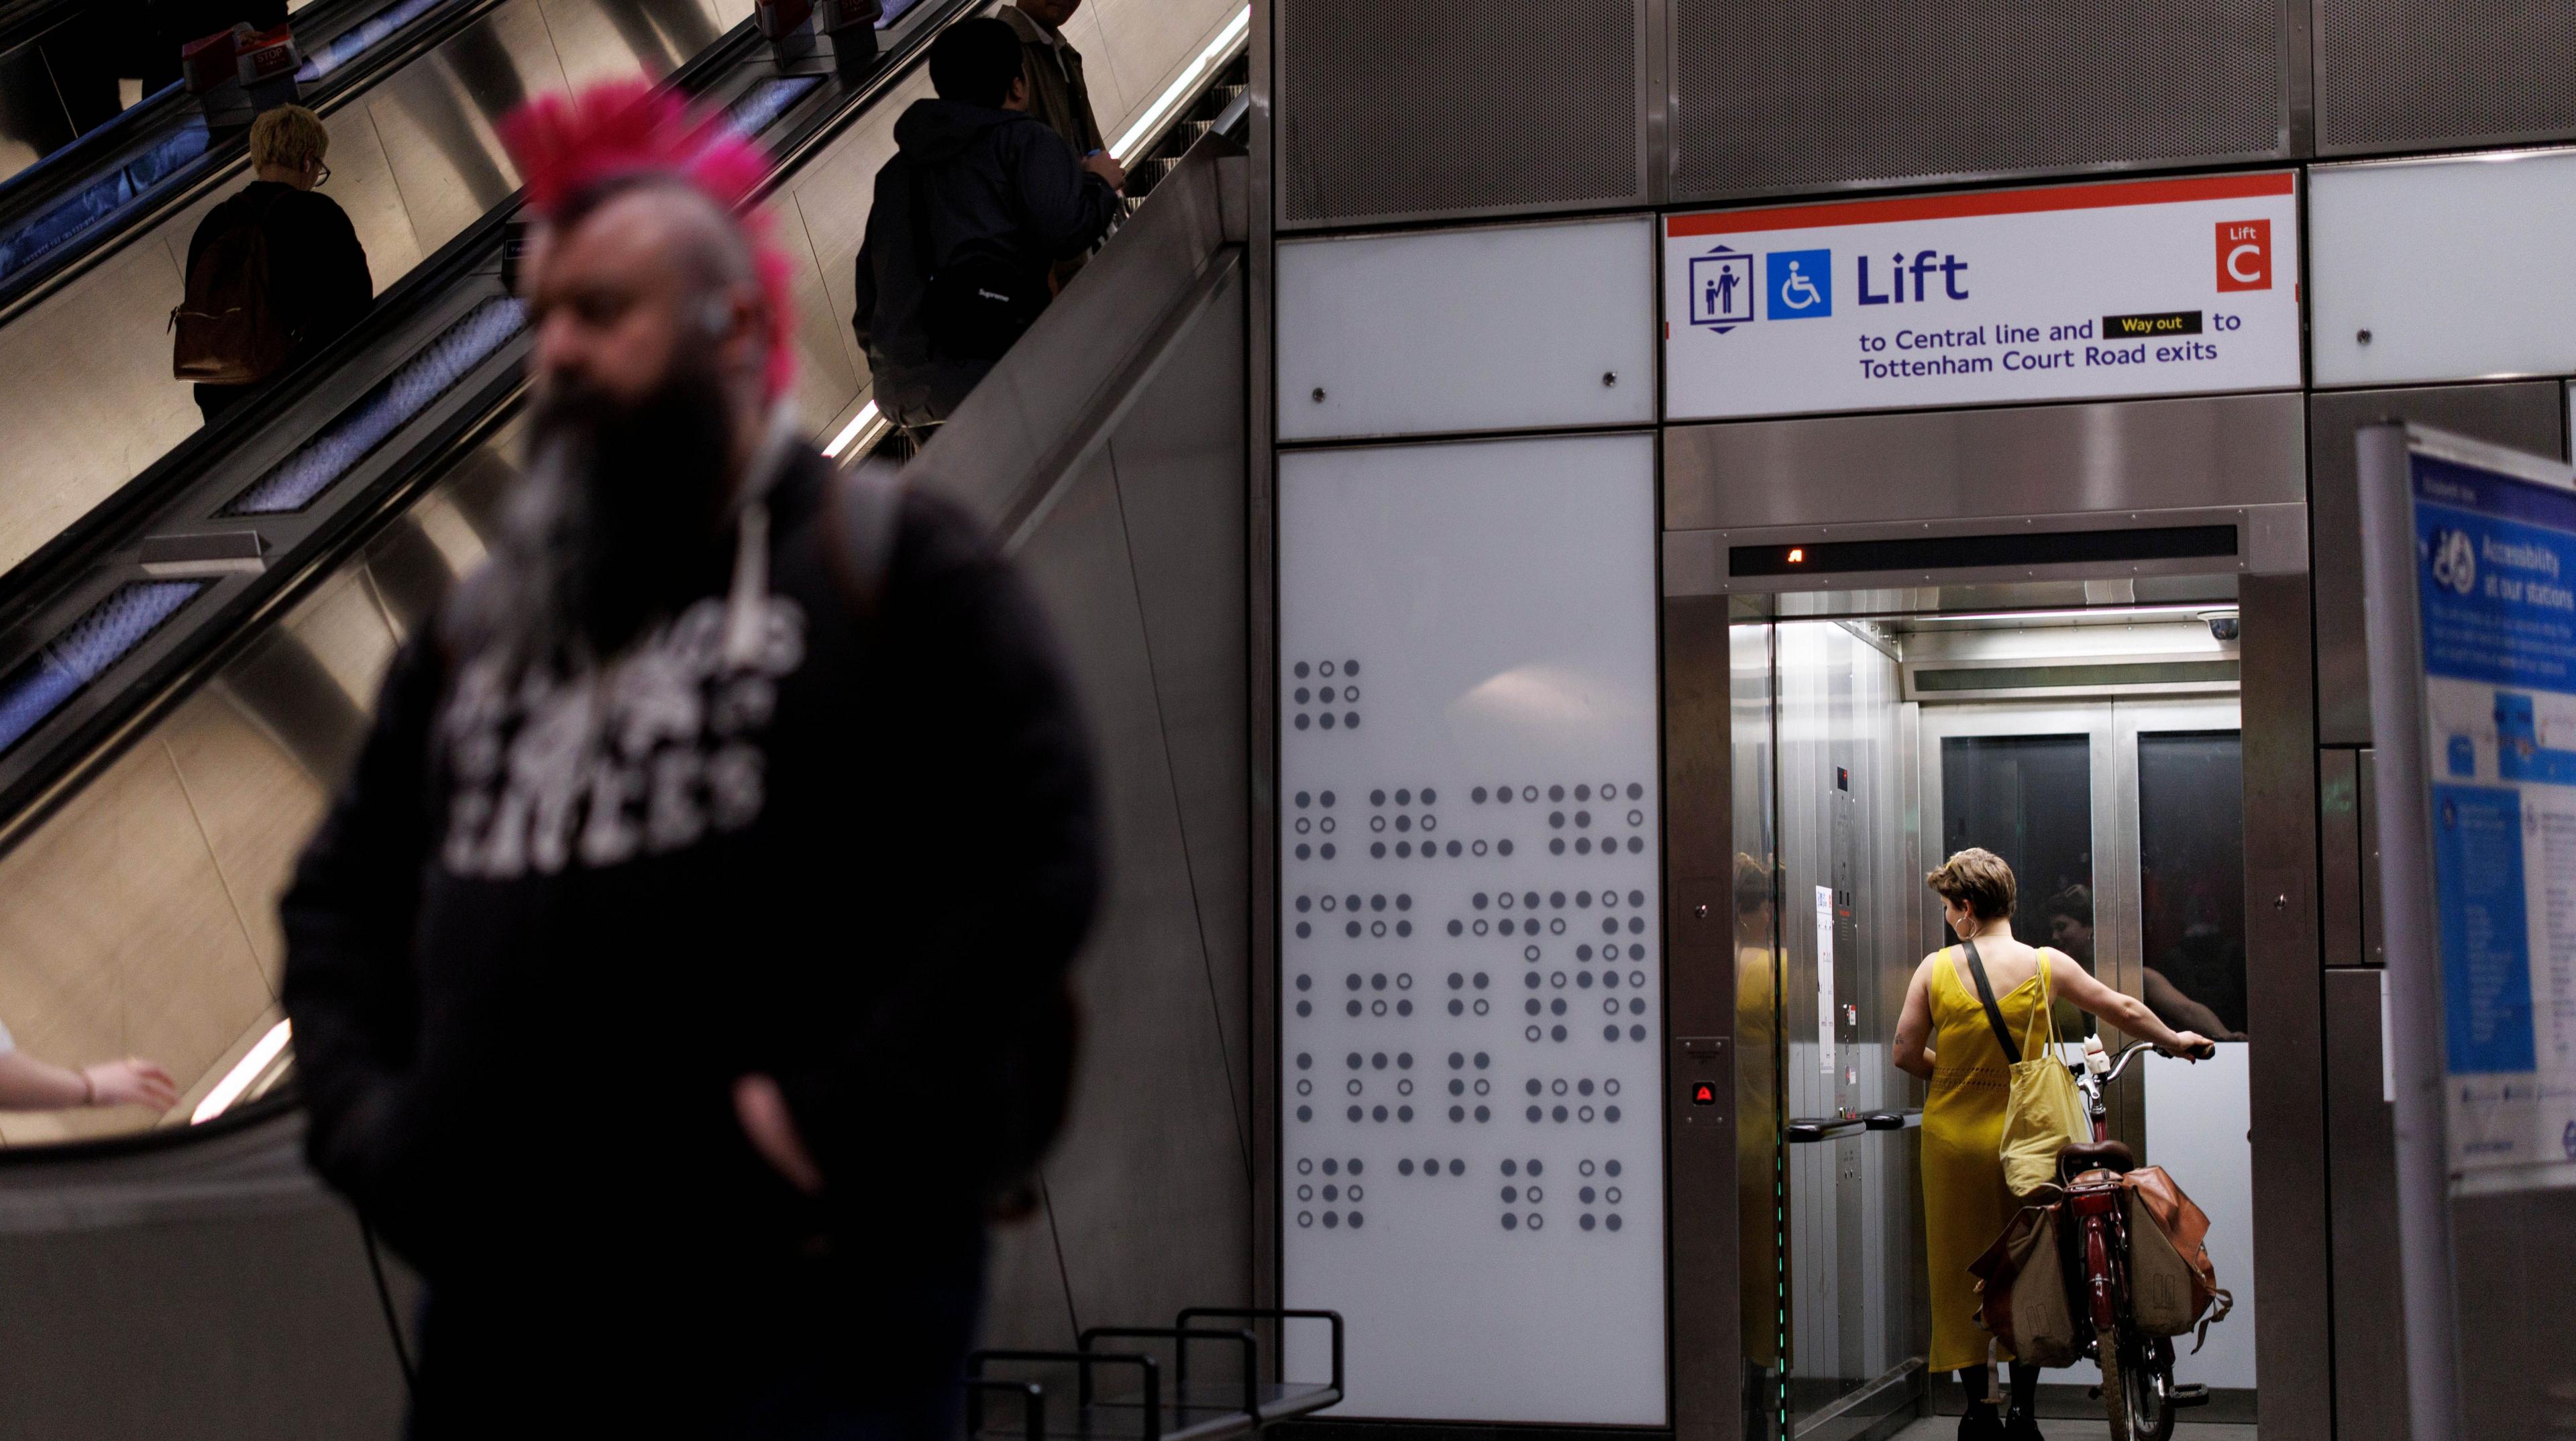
2138,1393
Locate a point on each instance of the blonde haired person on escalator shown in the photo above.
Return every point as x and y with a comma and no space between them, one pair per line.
27,1084
311,274
1946,1038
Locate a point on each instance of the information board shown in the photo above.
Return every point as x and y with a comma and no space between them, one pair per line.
2495,596
2142,287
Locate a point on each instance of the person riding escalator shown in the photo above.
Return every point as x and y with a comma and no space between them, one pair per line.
979,203
274,274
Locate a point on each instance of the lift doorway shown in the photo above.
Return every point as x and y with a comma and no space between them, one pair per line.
2100,753
2079,637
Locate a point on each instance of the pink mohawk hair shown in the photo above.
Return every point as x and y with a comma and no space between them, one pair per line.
567,146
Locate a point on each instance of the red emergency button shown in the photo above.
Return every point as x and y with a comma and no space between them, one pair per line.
1703,1093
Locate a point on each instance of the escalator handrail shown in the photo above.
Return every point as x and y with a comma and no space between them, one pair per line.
223,159
347,533
27,188
73,557
58,170
69,555
24,20
286,1097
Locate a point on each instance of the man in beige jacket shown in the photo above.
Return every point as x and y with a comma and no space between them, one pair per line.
1058,96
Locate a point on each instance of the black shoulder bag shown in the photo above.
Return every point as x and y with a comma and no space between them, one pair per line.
979,304
1986,998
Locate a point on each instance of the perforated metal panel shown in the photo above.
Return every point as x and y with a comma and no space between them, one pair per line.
1800,94
1390,111
2413,74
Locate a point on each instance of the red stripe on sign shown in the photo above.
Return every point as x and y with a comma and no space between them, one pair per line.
1984,202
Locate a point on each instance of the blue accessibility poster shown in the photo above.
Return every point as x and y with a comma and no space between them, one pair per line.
2496,597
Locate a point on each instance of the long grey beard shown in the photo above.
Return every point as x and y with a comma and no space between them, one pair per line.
529,605
613,522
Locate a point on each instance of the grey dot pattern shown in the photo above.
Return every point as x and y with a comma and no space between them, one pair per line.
1547,905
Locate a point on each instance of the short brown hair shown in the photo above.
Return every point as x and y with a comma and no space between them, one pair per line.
289,135
1978,879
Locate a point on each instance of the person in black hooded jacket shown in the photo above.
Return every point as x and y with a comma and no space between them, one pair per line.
670,976
979,202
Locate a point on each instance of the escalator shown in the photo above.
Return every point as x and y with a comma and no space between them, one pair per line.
88,196
94,236
188,741
94,592
175,703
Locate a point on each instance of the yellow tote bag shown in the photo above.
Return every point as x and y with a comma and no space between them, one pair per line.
2045,1113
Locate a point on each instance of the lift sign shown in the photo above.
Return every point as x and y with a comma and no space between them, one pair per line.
2144,287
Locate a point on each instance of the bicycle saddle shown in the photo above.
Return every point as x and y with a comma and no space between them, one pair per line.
2096,1156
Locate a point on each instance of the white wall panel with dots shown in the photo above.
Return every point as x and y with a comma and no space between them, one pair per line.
1471,957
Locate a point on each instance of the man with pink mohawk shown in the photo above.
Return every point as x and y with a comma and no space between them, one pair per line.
681,974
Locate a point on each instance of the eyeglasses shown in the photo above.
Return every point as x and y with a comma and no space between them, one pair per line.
324,177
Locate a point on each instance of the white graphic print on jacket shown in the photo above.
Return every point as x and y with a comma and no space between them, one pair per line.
644,756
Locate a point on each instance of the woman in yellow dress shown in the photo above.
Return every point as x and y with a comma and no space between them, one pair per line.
1945,1038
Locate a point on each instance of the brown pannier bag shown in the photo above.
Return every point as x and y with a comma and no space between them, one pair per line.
2172,1282
2022,1295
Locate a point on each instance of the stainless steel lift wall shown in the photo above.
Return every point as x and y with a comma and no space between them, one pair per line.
1967,471
89,401
1845,818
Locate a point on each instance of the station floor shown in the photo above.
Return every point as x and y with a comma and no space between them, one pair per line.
1943,1428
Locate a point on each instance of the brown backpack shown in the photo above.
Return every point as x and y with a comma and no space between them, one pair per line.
228,332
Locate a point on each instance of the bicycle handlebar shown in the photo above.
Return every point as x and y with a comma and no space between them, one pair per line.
2208,1049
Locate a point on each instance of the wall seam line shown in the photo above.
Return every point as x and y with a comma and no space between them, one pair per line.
1180,817
197,818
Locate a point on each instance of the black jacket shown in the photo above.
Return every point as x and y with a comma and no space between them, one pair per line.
541,933
999,184
317,271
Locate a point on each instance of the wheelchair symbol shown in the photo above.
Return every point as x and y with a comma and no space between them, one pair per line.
1800,283
1798,292
2455,561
